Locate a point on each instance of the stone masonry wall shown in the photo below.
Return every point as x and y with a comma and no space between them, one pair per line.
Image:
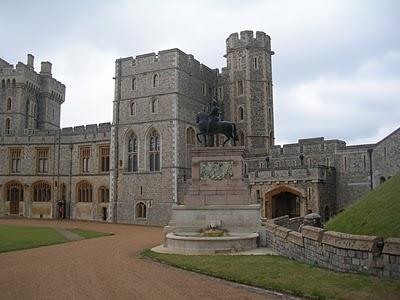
336,251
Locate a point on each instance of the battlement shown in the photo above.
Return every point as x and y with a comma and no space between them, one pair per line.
309,146
25,75
90,128
247,39
90,132
170,58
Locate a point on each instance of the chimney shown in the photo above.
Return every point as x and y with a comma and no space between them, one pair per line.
30,61
46,68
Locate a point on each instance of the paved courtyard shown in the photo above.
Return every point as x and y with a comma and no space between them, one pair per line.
105,268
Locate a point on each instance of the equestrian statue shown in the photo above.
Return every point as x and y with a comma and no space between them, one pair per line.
209,124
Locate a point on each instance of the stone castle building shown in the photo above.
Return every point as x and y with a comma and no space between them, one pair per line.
135,169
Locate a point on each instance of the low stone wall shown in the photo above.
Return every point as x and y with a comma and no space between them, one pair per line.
293,223
336,251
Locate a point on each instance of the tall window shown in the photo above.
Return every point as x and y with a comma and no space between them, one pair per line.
8,126
104,158
84,161
15,160
155,80
104,194
345,162
190,136
255,62
241,138
132,153
41,192
141,210
154,105
133,108
42,160
9,104
220,93
240,87
154,151
84,192
204,89
241,113
133,83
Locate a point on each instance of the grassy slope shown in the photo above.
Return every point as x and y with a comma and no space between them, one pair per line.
377,213
285,275
19,237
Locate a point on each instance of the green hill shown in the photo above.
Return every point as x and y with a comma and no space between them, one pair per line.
377,213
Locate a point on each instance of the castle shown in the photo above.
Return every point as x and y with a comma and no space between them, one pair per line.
135,169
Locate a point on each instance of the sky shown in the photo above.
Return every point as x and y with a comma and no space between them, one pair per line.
336,68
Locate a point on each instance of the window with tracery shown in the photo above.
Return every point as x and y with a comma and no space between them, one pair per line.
132,153
154,151
84,192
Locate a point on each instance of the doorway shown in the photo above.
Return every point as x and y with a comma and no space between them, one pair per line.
285,203
104,213
283,200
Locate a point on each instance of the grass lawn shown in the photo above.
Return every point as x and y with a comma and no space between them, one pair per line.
377,213
285,275
20,237
88,234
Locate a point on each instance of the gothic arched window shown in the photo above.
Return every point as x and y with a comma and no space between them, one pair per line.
190,136
154,151
155,80
133,83
84,191
104,194
133,108
9,104
141,210
241,113
132,153
154,105
241,138
41,192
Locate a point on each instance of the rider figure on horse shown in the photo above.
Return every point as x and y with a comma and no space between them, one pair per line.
213,116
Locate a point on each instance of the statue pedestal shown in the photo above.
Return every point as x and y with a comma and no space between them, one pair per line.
217,198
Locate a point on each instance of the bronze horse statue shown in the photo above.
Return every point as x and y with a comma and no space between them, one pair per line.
208,128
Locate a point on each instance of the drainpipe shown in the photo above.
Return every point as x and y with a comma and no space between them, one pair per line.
370,168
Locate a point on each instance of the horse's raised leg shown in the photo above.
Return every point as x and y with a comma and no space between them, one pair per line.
228,138
198,139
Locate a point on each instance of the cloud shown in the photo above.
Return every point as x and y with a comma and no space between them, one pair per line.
335,70
360,106
87,72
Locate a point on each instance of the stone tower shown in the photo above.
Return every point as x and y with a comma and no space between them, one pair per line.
247,83
31,100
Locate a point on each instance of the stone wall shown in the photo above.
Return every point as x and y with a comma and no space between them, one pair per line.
334,250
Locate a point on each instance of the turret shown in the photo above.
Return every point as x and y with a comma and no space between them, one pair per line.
249,83
45,68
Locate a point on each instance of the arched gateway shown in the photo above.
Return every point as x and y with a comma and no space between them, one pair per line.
283,200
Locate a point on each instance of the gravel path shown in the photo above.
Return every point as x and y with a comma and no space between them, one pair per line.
105,268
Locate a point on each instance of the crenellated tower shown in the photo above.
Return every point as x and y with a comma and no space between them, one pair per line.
29,100
247,88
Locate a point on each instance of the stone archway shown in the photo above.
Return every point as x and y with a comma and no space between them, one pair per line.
283,200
